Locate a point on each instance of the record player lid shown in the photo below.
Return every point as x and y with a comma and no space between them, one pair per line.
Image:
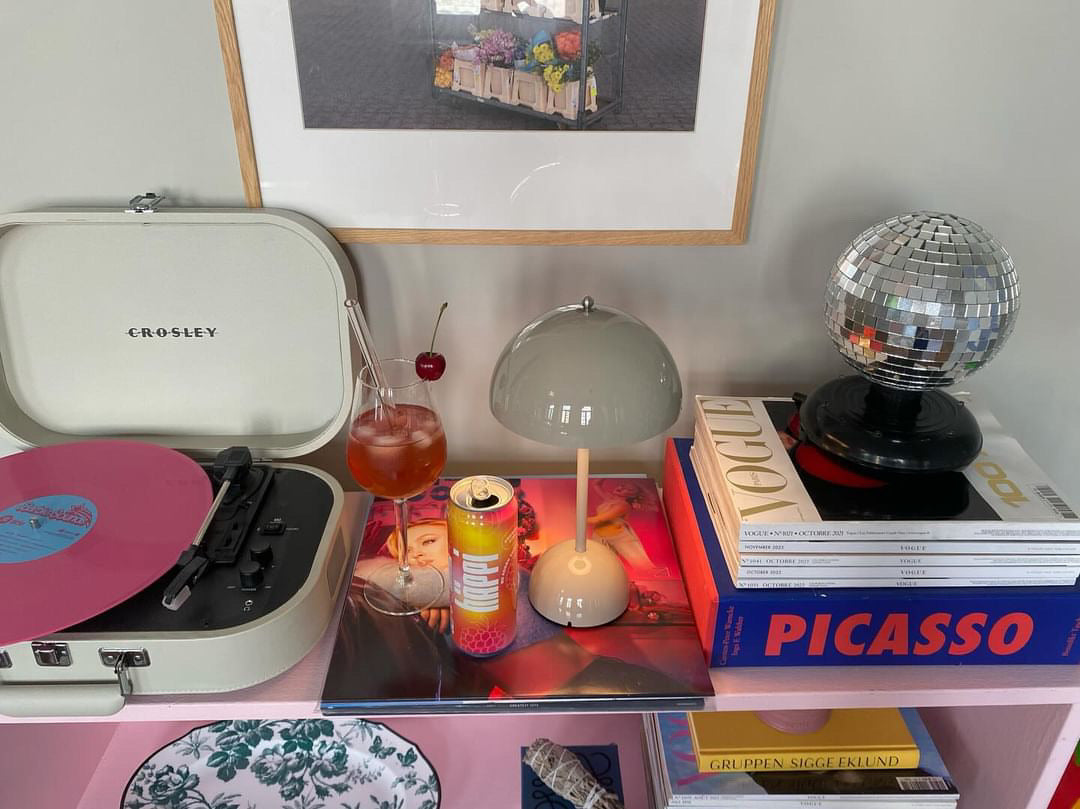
196,329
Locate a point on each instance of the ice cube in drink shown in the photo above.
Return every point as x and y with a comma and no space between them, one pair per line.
396,452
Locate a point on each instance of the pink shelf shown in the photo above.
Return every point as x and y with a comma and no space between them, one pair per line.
480,775
50,766
1002,757
295,693
1005,731
1005,757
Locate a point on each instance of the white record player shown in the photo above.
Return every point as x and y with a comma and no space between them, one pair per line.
199,330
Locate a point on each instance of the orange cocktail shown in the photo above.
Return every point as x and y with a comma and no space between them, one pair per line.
397,453
397,449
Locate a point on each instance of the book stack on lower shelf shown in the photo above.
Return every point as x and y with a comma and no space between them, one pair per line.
788,514
866,759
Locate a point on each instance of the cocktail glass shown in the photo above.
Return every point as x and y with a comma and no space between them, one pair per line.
397,449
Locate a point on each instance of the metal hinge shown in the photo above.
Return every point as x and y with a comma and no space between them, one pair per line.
133,658
121,660
144,203
50,654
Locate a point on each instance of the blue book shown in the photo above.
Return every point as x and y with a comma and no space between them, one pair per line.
882,626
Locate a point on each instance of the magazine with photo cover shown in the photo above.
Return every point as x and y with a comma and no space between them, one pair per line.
649,658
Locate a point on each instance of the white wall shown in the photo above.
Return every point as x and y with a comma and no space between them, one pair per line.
872,108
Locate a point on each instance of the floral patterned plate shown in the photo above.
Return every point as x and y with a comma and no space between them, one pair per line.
286,764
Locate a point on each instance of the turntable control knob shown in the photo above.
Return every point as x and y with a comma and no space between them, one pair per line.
250,575
261,552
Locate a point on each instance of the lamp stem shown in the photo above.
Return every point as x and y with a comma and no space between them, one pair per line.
582,498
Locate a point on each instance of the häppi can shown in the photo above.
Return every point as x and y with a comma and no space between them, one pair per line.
482,526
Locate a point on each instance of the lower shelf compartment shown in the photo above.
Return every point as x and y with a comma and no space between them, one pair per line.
88,766
1001,757
50,766
1007,756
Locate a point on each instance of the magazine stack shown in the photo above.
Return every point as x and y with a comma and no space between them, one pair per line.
907,772
790,516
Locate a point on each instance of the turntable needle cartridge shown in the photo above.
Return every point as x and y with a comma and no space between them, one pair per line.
230,465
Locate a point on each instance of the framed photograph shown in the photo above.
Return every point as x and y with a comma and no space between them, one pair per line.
613,122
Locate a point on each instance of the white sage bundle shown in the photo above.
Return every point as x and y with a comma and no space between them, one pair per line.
567,777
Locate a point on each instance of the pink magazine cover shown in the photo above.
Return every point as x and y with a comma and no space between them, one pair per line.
649,657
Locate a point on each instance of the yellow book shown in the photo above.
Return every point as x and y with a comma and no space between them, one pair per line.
854,739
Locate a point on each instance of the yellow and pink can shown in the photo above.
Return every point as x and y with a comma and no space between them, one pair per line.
482,527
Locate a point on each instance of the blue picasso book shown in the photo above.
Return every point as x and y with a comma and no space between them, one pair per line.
864,626
676,780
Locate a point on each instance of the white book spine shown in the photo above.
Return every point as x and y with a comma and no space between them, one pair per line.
810,802
832,584
910,532
817,546
833,560
913,572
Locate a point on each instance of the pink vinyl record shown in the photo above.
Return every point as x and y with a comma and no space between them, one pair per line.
84,526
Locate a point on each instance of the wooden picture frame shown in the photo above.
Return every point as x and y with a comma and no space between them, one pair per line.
735,234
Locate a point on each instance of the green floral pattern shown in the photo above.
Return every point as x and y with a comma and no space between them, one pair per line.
286,764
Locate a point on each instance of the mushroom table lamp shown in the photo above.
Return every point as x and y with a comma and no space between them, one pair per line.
584,377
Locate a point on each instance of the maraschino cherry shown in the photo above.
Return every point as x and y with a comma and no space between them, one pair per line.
429,365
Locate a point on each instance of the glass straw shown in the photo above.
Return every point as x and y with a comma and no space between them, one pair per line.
367,347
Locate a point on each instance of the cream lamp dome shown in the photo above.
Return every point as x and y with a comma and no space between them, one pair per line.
587,377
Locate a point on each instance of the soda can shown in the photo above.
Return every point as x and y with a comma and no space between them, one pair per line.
482,532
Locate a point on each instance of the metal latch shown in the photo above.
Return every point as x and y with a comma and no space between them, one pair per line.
121,660
51,654
144,203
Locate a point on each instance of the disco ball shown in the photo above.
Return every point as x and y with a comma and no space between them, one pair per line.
921,300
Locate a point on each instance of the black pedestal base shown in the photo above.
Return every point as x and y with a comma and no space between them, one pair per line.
890,430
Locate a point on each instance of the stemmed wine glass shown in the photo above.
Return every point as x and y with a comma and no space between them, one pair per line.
397,449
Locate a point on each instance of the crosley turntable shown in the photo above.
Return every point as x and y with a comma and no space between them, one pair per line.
218,333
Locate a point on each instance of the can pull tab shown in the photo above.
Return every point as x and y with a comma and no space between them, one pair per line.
480,495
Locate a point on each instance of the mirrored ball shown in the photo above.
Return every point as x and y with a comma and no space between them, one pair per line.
921,300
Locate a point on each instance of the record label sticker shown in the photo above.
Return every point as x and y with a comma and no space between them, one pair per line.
34,529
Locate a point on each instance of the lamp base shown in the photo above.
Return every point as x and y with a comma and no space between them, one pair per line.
589,588
888,430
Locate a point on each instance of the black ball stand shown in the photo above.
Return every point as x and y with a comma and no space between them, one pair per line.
889,430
